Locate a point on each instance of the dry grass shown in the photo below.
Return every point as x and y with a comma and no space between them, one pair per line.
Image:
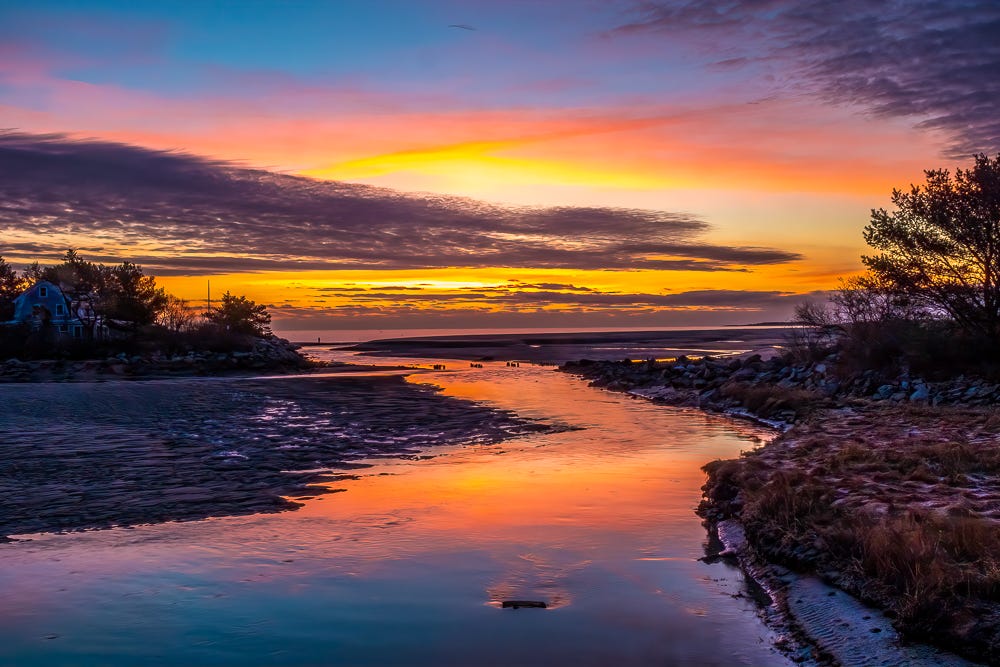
930,563
770,400
903,504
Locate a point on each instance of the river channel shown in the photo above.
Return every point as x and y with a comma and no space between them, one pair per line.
410,563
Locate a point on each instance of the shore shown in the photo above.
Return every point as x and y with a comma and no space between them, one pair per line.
897,505
558,348
887,488
119,453
263,355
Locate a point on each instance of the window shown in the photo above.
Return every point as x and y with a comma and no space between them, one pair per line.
77,331
43,292
59,309
62,328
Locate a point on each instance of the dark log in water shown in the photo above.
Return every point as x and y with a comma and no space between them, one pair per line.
527,604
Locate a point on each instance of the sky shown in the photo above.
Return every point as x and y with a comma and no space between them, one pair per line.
405,164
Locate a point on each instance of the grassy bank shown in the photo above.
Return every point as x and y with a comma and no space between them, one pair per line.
898,504
887,483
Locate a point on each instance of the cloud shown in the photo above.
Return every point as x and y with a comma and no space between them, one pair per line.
504,307
562,287
937,63
724,299
515,299
184,214
515,296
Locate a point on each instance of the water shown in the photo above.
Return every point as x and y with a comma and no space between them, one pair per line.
409,565
334,336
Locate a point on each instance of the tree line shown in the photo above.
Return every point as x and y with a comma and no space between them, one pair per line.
124,296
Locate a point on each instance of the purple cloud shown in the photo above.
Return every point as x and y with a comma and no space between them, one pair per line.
195,216
937,63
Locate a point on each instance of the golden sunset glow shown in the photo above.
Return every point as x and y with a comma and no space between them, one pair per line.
501,333
763,185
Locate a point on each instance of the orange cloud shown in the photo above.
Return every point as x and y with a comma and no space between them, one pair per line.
359,134
642,155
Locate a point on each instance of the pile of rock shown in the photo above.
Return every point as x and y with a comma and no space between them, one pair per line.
271,354
734,383
961,390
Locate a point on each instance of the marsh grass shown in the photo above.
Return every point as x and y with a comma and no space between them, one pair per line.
770,400
929,562
902,504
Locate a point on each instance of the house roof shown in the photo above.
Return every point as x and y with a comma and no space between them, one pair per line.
24,305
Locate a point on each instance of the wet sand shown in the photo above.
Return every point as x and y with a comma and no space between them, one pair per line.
558,348
124,453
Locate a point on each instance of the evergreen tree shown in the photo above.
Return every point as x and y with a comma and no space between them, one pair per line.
241,315
132,296
11,285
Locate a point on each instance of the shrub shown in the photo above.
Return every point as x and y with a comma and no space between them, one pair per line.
240,315
769,400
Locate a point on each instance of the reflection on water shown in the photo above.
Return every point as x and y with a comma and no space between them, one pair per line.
125,453
409,565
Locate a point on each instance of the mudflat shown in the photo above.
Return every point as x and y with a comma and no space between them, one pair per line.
562,347
91,455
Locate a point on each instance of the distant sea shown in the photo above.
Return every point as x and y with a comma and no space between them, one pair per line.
363,335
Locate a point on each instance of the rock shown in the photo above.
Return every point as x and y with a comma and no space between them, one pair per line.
830,387
920,394
884,392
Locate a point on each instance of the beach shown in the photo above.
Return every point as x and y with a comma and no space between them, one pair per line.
564,488
558,348
525,485
134,452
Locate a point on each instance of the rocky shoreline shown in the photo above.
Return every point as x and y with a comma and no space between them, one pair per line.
779,388
271,354
887,488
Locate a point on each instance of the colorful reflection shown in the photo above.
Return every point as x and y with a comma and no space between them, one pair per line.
409,564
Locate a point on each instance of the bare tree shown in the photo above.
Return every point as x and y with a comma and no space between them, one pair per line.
176,314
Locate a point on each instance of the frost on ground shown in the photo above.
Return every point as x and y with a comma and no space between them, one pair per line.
899,505
846,631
